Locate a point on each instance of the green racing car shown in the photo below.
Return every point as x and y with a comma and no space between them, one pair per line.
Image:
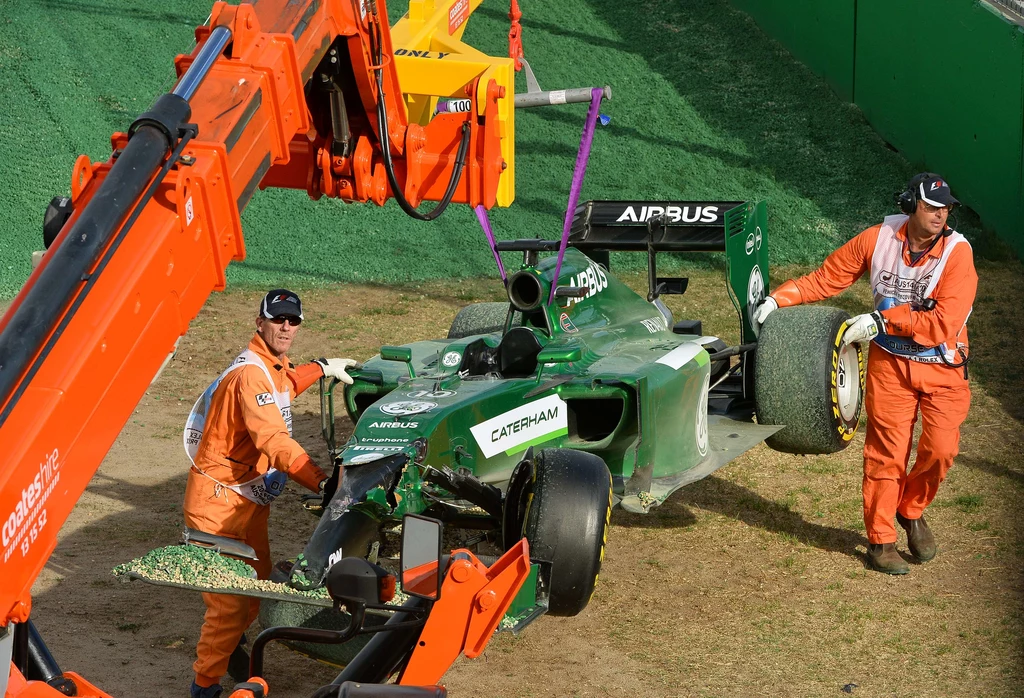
534,418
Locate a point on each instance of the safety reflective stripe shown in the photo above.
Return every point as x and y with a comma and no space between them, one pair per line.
895,283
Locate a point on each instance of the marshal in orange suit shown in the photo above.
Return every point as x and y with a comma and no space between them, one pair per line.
923,283
239,438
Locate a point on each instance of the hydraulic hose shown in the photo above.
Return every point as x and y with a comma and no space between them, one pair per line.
376,50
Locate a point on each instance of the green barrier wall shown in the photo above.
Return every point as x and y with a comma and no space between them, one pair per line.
949,95
942,81
820,33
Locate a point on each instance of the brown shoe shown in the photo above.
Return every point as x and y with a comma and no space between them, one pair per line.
919,537
882,557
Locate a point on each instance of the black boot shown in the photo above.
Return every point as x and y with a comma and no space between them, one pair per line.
919,537
197,691
238,662
882,557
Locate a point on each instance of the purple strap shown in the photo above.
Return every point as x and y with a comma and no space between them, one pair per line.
582,156
485,223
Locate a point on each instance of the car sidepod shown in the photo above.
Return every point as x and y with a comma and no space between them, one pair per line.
672,424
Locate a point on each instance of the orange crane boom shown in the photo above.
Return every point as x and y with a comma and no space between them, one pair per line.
289,93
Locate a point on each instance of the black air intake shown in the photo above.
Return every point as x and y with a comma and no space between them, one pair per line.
525,291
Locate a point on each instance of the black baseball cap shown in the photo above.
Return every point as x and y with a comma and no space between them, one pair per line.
934,190
279,302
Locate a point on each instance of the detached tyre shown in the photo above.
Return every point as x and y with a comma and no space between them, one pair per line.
805,379
481,318
561,501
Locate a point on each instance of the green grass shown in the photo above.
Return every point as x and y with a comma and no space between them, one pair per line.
967,503
705,107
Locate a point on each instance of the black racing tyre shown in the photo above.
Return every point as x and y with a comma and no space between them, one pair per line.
806,379
567,512
481,318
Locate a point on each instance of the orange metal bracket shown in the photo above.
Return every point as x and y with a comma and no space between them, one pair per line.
473,601
80,176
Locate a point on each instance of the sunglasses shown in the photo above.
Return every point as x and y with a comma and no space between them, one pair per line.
290,319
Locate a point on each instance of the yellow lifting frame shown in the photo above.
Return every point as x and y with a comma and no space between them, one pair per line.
432,62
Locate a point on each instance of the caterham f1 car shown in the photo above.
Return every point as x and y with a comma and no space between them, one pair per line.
534,418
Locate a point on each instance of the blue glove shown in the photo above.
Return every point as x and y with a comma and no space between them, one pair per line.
274,482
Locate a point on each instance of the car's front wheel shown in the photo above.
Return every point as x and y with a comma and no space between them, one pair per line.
561,502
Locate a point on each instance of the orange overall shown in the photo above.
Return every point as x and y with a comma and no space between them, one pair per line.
245,434
897,385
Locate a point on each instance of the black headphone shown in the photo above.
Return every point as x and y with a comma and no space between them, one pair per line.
907,199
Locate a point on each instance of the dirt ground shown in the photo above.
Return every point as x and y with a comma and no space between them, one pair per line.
750,582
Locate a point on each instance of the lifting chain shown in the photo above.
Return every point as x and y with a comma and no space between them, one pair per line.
515,36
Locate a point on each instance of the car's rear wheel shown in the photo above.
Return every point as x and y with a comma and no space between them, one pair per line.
481,318
561,502
808,380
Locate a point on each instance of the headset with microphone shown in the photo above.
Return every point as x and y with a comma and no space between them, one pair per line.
908,198
907,202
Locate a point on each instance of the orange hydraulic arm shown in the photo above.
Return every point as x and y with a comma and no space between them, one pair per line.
290,93
473,601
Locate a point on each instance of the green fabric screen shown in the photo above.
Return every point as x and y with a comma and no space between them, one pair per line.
949,95
820,33
942,81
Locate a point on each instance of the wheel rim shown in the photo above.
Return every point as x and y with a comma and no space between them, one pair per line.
848,382
702,417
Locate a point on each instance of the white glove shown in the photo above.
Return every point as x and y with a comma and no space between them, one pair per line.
766,308
863,328
335,368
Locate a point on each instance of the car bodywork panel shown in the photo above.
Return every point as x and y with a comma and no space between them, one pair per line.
633,378
598,369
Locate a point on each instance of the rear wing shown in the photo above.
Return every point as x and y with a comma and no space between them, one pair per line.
740,229
622,226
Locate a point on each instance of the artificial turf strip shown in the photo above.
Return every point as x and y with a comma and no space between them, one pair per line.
705,107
